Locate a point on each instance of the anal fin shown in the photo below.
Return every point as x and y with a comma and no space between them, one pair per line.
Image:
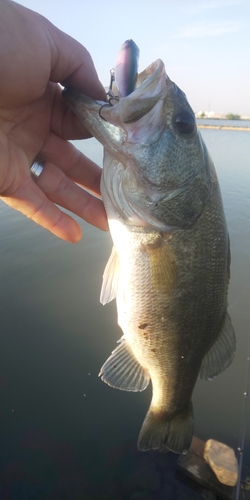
122,370
222,352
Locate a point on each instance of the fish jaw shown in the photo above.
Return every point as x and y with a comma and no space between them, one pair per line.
88,111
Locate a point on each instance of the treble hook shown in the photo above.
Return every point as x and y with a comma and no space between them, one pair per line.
112,78
104,106
110,94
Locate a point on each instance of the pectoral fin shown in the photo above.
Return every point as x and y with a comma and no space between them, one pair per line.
110,278
162,263
222,352
122,370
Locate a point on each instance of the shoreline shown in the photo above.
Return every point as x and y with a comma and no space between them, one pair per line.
225,127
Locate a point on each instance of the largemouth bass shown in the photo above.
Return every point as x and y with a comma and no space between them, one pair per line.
169,267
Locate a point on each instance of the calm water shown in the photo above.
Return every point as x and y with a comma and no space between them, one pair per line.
64,434
233,123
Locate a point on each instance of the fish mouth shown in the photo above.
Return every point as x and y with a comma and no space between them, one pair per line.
151,87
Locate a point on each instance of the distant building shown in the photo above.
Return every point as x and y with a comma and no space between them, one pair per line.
208,114
212,114
205,114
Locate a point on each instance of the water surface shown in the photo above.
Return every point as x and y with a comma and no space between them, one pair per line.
63,431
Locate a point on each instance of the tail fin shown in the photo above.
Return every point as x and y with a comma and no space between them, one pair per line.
162,431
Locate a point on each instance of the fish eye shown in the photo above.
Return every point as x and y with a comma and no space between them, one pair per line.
185,122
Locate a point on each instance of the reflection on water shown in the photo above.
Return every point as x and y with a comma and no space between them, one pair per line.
64,434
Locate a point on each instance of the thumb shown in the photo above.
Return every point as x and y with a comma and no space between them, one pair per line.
72,65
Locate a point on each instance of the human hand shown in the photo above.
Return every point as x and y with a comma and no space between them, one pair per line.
34,119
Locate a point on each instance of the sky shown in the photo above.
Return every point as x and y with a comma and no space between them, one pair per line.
205,44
